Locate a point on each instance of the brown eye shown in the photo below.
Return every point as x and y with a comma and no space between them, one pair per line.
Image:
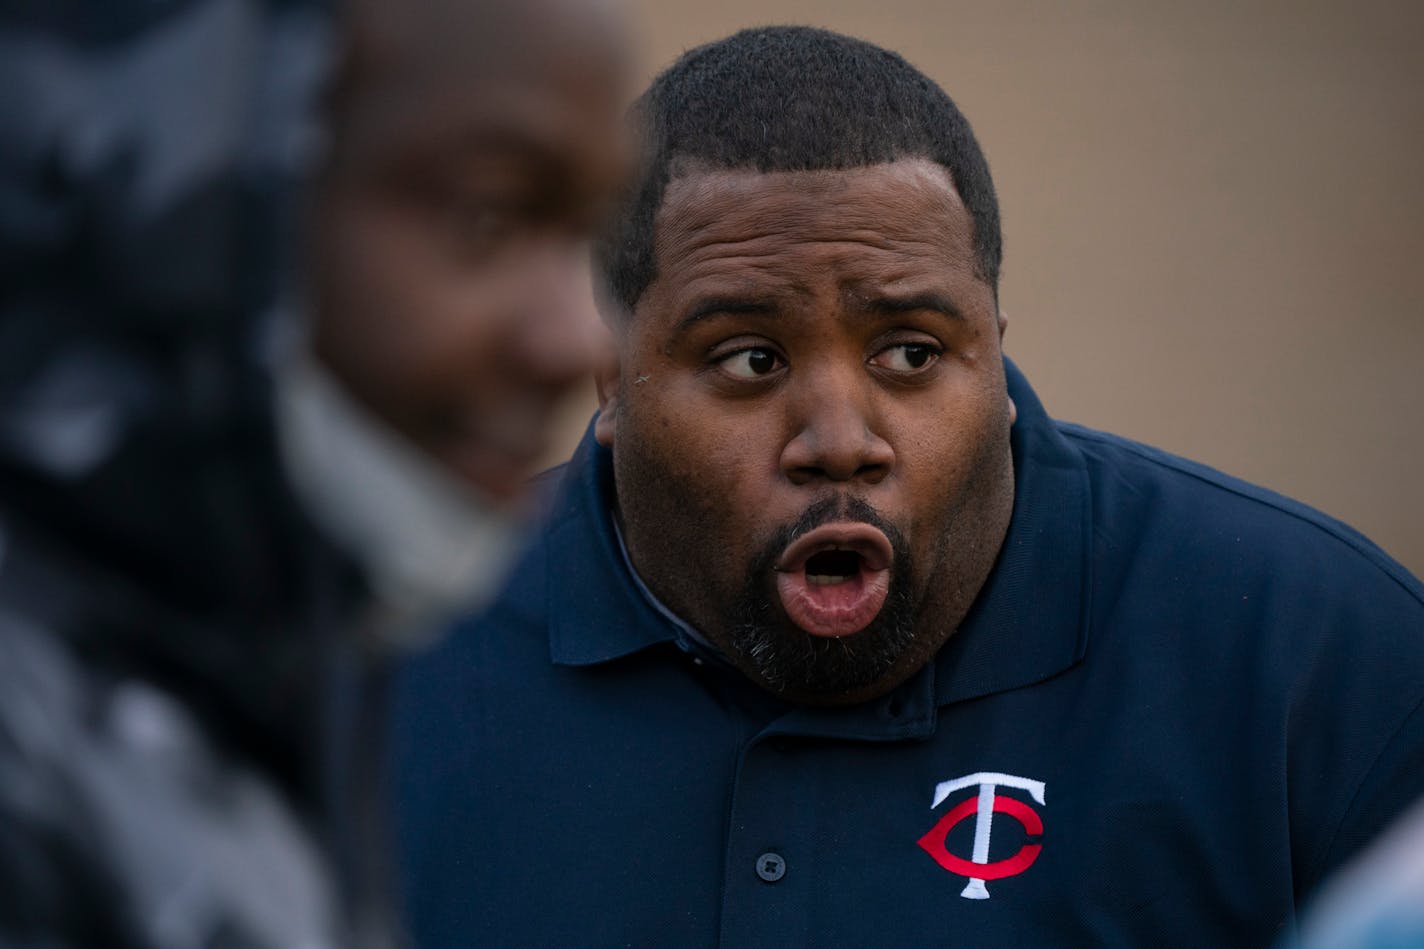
751,363
906,357
917,356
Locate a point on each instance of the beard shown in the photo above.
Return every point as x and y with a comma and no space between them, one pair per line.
790,661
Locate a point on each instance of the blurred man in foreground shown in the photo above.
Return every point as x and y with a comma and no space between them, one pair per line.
174,767
834,637
474,150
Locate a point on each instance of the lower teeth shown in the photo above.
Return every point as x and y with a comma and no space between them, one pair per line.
823,580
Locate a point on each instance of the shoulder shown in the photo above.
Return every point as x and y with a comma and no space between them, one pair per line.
510,633
1299,623
1192,515
522,600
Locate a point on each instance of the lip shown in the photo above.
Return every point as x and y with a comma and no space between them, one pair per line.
848,605
868,541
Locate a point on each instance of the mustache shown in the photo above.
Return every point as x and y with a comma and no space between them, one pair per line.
830,509
795,662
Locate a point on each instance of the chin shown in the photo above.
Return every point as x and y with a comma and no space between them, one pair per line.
817,670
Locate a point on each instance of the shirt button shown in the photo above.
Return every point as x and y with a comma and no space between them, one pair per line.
771,866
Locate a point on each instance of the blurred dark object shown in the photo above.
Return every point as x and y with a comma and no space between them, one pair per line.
1377,900
166,612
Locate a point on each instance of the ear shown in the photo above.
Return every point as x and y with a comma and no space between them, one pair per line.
608,383
1003,325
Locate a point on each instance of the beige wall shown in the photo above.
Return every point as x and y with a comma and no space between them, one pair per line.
1212,214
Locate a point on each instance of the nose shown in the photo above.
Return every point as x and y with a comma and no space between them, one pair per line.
834,435
561,338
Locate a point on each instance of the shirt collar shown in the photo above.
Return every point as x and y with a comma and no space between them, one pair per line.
1028,623
596,613
685,633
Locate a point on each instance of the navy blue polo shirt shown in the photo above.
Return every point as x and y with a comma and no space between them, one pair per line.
1178,702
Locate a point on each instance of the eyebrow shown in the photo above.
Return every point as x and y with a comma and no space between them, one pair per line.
723,306
931,302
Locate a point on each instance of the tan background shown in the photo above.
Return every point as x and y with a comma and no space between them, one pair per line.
1212,214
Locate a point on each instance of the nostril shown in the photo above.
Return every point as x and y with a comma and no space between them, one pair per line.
873,473
837,444
807,474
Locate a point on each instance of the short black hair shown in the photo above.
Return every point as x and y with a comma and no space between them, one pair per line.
791,98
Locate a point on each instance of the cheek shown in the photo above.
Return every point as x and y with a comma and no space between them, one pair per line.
951,464
692,467
667,434
401,310
731,450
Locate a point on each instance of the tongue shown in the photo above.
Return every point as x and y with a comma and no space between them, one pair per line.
833,609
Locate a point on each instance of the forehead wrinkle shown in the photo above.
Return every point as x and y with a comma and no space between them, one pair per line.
751,282
811,208
701,195
739,233
770,266
791,217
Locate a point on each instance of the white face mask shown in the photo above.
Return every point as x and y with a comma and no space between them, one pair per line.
431,546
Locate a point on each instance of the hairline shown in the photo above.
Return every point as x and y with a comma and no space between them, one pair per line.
681,166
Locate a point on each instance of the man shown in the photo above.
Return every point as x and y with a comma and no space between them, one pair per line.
835,638
174,769
473,152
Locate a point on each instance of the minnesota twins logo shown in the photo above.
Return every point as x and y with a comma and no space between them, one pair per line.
983,807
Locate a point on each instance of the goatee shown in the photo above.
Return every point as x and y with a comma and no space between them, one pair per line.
791,661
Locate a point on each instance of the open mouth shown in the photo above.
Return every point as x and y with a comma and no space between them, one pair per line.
833,580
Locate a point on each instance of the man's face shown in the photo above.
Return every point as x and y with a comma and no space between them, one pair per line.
475,146
810,425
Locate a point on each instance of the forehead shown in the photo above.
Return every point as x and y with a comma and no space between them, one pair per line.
547,74
901,218
488,36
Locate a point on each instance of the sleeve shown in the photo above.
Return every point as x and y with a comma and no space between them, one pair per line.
1356,727
1393,783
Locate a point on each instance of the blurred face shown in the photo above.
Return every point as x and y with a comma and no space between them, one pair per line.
475,146
810,425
